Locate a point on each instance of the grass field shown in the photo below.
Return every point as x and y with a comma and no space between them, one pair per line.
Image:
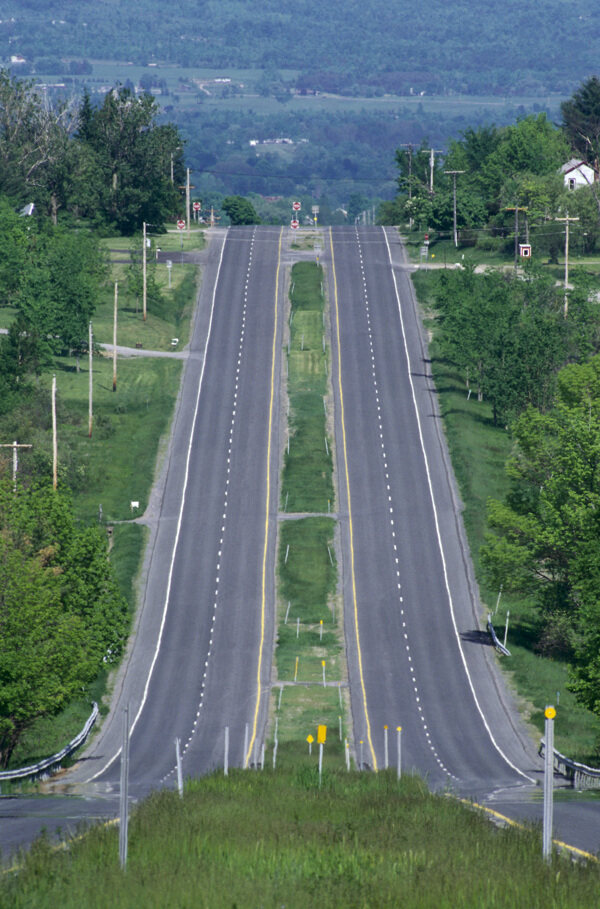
479,451
277,839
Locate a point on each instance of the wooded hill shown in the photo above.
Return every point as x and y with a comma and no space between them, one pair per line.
349,46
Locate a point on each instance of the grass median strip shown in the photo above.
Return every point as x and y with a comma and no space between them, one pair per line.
309,657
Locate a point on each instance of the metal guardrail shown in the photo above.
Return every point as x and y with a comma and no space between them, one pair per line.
499,647
581,776
47,763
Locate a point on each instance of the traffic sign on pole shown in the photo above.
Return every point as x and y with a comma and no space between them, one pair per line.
296,206
294,224
181,225
197,206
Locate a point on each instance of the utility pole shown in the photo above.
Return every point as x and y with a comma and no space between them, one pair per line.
15,446
54,441
432,153
187,202
566,219
144,275
90,417
454,173
115,338
516,209
409,146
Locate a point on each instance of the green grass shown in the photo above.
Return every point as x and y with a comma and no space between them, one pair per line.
479,451
116,466
308,579
278,839
307,480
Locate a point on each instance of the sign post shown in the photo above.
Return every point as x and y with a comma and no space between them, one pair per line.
321,736
549,714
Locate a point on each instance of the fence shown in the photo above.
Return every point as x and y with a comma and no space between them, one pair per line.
580,775
39,768
499,647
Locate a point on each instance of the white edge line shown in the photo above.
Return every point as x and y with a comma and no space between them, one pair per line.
437,526
179,522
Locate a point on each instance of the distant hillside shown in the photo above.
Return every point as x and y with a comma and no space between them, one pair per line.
351,46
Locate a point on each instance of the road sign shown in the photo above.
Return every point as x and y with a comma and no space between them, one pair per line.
315,209
296,206
294,224
321,734
181,225
197,206
525,250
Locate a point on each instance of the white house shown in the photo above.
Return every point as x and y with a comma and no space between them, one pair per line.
577,173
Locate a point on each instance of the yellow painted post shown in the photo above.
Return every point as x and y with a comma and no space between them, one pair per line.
310,739
296,669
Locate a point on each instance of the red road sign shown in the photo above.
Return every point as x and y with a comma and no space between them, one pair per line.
181,225
294,224
197,206
296,206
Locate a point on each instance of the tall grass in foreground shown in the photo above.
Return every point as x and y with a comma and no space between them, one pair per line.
275,839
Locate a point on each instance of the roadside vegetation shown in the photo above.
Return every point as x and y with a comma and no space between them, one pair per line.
275,838
309,638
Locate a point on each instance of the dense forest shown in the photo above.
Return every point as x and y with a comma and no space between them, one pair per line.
516,46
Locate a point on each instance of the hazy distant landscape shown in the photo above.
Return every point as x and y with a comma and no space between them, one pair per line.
345,84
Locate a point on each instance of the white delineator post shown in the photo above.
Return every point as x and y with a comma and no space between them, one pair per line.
399,735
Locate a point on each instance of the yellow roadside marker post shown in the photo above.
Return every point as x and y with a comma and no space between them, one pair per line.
296,669
321,736
323,665
399,735
385,748
310,739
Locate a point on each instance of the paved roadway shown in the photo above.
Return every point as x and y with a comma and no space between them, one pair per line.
201,657
416,655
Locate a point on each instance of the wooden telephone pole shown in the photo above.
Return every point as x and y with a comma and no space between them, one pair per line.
566,219
516,209
432,153
454,174
15,446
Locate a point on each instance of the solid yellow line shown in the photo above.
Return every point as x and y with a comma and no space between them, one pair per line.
513,823
267,509
352,572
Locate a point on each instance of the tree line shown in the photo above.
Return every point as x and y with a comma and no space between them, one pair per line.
531,348
88,170
111,165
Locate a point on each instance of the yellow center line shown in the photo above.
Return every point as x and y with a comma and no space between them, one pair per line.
352,571
267,509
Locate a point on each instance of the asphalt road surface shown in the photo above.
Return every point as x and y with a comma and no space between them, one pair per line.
201,657
417,656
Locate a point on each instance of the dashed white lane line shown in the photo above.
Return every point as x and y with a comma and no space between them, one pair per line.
190,739
411,668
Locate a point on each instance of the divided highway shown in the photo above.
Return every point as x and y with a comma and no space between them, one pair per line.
201,655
